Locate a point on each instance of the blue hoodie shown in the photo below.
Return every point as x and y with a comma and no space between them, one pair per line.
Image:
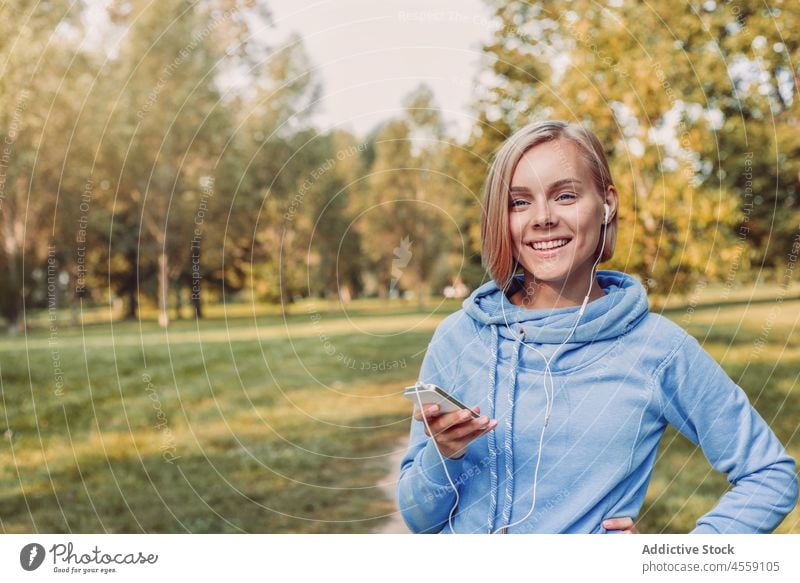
620,379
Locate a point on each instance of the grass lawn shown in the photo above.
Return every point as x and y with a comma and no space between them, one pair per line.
258,422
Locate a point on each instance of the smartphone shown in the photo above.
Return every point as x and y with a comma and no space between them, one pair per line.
429,393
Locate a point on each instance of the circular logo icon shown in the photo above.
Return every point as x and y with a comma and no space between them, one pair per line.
31,556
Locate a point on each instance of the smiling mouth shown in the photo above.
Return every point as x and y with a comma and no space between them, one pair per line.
549,245
558,246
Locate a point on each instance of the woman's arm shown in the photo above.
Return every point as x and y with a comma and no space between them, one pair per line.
706,406
424,494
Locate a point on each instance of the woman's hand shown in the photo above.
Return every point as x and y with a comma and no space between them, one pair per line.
624,525
454,431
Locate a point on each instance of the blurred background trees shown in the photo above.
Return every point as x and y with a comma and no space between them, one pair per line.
163,153
696,104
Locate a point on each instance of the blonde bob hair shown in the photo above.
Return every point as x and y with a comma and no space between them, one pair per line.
497,248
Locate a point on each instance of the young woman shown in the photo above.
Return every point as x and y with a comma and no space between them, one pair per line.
577,380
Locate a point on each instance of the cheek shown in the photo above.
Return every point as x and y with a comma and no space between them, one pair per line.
515,226
588,225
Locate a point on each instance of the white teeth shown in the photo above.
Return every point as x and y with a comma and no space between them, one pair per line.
550,244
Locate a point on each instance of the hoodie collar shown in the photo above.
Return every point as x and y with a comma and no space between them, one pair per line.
613,315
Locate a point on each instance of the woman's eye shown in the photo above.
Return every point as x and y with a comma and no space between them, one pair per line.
566,196
518,202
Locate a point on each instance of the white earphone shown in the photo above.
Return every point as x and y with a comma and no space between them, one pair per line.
549,388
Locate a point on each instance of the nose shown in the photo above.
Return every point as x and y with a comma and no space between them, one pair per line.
541,216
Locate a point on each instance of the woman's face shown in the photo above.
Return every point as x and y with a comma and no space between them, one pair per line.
556,215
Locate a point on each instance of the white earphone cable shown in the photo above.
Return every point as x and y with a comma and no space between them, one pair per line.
444,465
550,394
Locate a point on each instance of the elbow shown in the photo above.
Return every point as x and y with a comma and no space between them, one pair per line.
788,491
406,511
412,522
418,522
417,519
404,500
792,492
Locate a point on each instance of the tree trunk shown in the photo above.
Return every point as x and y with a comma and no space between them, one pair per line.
422,295
163,288
133,304
422,259
13,325
194,284
283,280
384,277
12,311
178,300
196,304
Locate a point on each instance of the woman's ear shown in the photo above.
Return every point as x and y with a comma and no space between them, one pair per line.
612,200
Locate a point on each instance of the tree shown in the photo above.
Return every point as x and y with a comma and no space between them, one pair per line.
404,226
40,87
653,81
169,131
279,155
334,256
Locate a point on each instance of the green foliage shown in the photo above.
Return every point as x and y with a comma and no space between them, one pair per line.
174,155
679,95
408,215
41,93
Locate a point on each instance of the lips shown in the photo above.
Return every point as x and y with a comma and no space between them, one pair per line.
548,245
551,253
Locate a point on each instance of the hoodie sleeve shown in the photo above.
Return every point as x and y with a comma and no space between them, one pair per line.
425,496
712,411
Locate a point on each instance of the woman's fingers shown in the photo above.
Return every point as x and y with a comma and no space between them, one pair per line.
455,448
624,524
438,422
617,523
433,410
443,424
445,421
455,440
478,432
459,432
430,411
453,431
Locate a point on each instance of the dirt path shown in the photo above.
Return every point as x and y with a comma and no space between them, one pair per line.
395,524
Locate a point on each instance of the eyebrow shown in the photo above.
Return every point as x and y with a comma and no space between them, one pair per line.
553,186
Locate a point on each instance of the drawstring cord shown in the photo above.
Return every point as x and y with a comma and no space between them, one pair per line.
508,442
508,450
491,435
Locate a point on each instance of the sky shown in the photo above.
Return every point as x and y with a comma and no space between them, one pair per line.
370,54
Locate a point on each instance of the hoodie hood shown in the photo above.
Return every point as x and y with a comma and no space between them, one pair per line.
613,315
